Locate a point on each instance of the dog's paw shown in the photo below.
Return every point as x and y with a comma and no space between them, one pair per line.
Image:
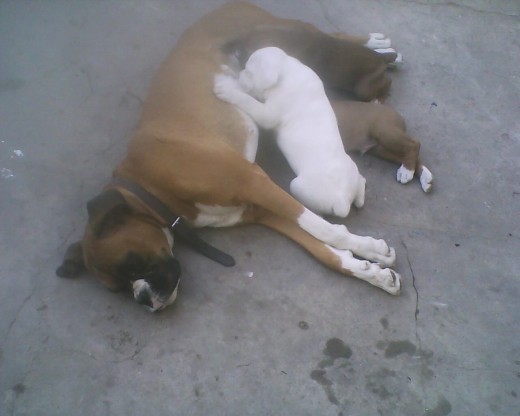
426,179
378,41
404,175
225,86
394,59
389,281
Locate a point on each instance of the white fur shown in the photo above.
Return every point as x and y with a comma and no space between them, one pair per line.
426,179
378,41
386,279
251,138
218,216
404,175
169,237
141,285
339,237
293,101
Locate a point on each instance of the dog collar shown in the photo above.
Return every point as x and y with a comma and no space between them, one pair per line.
176,224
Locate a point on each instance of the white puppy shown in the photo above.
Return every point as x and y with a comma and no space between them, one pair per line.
291,99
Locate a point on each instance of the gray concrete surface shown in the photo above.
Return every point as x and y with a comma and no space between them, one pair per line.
296,339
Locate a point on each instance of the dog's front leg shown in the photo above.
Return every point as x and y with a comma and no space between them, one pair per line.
276,200
340,260
227,89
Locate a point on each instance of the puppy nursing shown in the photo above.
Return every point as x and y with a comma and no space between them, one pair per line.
281,93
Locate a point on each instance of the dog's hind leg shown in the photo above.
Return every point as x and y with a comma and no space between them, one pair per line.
339,260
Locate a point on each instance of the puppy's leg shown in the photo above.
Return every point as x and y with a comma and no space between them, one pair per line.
371,41
398,147
339,260
318,199
373,86
227,89
425,176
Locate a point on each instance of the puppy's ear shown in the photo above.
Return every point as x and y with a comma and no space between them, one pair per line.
106,211
73,263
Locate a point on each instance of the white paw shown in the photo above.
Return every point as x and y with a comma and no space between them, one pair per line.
426,179
225,86
404,175
378,41
389,281
381,253
388,258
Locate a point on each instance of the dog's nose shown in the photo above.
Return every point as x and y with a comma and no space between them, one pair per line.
143,298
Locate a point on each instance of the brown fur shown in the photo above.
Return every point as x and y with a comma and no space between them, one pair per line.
379,130
188,145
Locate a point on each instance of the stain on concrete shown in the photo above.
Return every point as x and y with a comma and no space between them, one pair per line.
336,348
303,325
319,377
384,322
395,348
378,383
19,388
442,408
326,362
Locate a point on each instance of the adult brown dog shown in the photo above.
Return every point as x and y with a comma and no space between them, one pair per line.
193,155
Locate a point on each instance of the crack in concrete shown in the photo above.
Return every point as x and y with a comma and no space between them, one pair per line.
413,282
462,6
416,314
17,314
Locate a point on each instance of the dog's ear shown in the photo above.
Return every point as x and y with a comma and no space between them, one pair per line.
106,211
73,263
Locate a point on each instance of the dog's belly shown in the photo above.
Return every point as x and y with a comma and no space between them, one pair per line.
218,216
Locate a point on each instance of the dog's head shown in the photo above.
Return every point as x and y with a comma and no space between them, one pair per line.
262,71
127,250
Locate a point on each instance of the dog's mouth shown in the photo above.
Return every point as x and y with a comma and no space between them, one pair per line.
146,296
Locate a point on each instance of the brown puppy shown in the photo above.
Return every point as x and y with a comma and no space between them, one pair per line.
193,155
380,130
342,65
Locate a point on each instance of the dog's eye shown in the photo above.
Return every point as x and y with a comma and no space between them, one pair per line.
133,266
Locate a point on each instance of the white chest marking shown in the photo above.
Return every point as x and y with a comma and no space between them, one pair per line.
251,138
218,216
169,237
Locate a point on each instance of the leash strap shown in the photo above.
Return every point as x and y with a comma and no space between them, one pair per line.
177,225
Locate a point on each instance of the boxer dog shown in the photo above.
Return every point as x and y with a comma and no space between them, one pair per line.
192,155
291,99
378,129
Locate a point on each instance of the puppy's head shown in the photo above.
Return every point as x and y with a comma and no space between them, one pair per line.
127,251
262,71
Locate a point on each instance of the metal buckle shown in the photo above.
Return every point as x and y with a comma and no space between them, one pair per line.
175,223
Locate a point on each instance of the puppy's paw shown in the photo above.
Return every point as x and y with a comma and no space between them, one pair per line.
378,41
404,175
426,179
225,87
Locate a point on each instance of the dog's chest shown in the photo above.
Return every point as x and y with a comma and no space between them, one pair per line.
250,137
218,216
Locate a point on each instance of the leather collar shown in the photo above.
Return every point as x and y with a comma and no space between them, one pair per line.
176,224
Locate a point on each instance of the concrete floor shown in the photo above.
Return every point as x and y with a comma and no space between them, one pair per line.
295,339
